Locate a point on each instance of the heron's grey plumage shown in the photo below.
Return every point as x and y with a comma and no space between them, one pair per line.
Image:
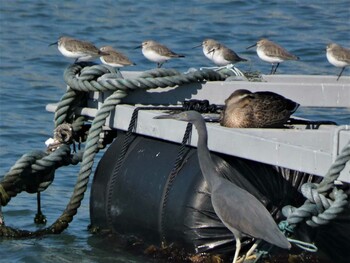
238,210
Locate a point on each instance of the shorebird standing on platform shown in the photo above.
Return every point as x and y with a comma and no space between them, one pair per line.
158,53
115,58
78,49
338,56
221,55
271,52
263,109
237,209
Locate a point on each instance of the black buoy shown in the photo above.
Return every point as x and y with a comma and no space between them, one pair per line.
143,203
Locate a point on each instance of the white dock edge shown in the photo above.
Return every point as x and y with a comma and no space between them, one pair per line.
310,151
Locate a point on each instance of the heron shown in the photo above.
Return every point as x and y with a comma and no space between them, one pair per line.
239,211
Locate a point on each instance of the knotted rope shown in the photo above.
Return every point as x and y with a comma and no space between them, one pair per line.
321,205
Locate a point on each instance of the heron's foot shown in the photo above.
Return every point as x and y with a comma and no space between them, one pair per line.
248,259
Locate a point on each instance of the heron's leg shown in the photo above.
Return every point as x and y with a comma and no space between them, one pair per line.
238,248
251,250
276,68
341,72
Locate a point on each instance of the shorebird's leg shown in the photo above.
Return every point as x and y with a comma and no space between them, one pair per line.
272,69
159,65
276,68
341,72
237,71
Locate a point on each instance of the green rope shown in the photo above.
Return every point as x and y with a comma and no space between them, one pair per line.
150,79
320,207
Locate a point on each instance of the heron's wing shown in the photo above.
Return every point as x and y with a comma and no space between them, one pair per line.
241,211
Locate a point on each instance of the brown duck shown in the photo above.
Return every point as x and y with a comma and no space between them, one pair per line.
263,109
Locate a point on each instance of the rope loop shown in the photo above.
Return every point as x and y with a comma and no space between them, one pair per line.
321,206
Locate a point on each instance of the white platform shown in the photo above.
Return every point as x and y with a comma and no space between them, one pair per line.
311,151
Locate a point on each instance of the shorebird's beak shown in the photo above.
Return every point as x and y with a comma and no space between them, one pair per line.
252,46
138,47
102,53
55,43
197,46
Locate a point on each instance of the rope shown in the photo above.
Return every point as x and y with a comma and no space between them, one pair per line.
33,172
125,147
160,78
176,168
319,208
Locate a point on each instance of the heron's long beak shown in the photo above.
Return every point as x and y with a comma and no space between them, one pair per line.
251,46
55,43
138,47
198,46
168,116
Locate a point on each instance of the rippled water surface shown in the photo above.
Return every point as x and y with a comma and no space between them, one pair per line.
31,77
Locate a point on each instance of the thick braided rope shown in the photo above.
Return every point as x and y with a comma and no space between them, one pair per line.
318,209
64,105
20,178
91,148
149,80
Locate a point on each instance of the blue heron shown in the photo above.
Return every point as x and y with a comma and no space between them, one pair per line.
238,210
264,109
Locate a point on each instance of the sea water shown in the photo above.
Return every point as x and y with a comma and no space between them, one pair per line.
31,76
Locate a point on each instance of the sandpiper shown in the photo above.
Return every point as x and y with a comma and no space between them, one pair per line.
78,49
338,56
158,53
219,53
115,58
264,109
271,52
208,45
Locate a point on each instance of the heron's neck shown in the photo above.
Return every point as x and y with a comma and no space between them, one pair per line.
205,161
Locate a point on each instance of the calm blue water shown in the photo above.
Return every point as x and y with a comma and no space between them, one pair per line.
31,77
